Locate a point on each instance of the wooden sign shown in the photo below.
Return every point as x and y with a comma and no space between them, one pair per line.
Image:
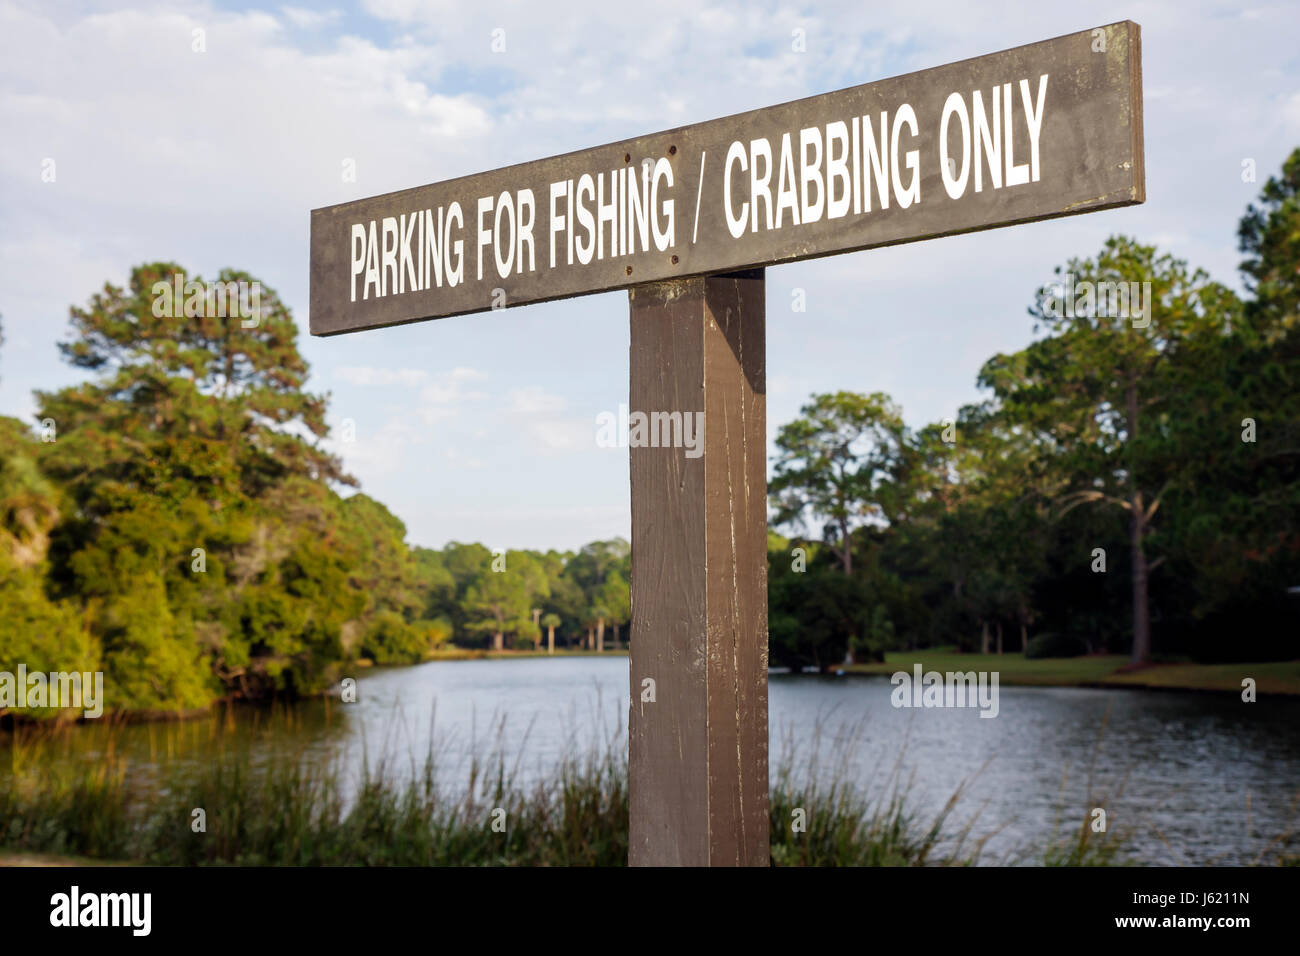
687,220
1050,129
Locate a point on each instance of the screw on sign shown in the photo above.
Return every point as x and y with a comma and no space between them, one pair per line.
687,220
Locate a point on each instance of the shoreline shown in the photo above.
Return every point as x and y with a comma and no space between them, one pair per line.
1108,671
9,719
1100,672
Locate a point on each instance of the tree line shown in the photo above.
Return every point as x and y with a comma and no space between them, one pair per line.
175,522
1128,483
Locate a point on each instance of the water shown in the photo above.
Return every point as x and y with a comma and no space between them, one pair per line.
1193,778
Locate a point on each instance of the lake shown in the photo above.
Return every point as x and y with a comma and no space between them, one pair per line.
1193,778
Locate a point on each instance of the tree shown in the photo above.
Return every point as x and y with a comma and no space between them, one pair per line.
568,603
815,615
201,533
533,570
43,634
615,601
495,605
500,602
550,622
835,466
1097,390
436,588
386,573
1238,549
154,358
589,569
838,466
1269,236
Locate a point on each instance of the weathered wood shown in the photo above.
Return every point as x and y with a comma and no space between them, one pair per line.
1083,92
698,752
1046,130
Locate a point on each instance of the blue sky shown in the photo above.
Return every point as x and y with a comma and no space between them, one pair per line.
483,427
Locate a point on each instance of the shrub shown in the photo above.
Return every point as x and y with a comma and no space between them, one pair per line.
1056,645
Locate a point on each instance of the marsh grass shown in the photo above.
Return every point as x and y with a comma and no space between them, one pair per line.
309,813
1084,845
844,826
79,812
397,809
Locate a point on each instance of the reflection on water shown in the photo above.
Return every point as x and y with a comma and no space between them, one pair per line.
1194,778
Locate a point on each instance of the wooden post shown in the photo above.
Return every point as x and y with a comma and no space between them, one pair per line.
698,635
698,741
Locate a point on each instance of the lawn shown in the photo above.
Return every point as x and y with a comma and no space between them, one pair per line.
1278,677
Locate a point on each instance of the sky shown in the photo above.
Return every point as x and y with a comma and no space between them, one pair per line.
483,427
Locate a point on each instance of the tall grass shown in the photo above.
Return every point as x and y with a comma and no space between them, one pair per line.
396,812
1099,839
80,812
309,814
821,818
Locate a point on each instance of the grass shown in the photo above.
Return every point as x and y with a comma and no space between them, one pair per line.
308,814
1095,840
819,818
305,814
1275,677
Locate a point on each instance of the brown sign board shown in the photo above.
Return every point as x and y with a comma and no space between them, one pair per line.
1036,132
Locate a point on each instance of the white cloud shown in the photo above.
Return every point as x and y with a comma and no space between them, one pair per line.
309,19
449,388
442,398
215,159
436,414
560,437
461,459
1291,110
535,400
375,453
367,375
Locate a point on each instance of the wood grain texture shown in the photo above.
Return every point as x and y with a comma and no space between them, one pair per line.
698,753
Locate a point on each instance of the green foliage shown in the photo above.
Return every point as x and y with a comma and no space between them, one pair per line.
182,527
814,614
183,532
43,633
498,602
1269,235
1055,645
391,639
835,466
300,813
1162,438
